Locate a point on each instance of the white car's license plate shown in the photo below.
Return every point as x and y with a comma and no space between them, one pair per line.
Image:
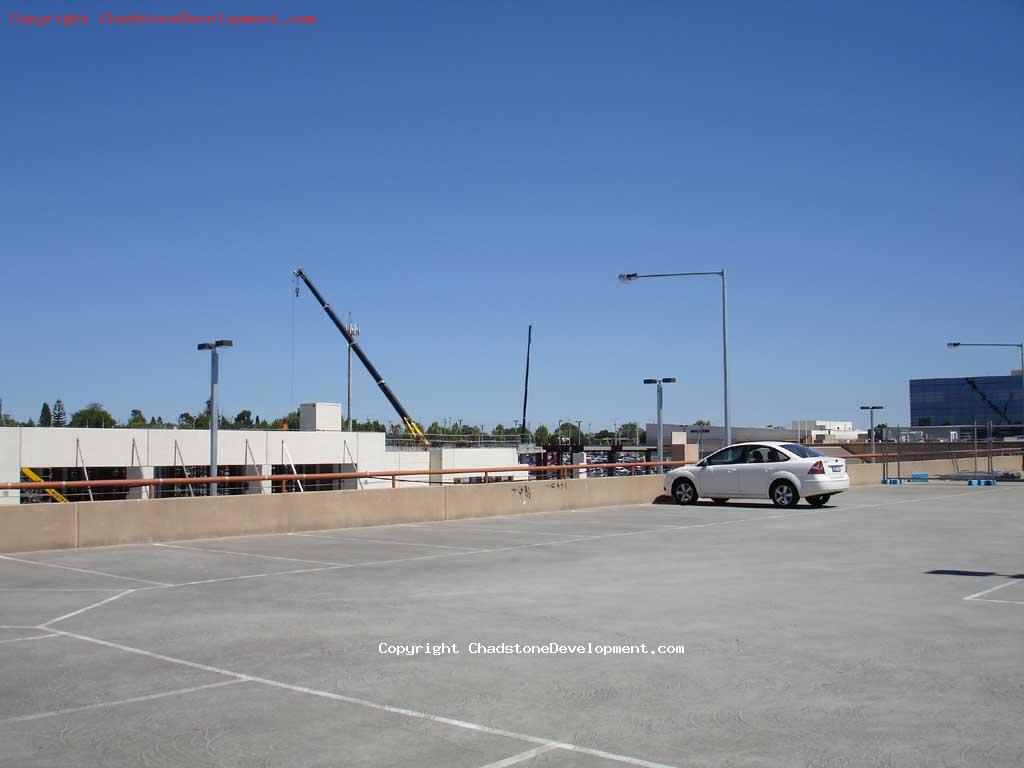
837,469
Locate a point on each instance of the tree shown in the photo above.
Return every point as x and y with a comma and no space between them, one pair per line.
368,426
93,415
244,420
45,417
542,435
629,431
137,420
60,416
705,423
186,419
291,421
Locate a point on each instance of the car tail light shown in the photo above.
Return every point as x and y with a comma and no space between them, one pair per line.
817,468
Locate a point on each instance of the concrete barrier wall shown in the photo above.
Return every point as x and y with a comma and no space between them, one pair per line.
56,526
25,527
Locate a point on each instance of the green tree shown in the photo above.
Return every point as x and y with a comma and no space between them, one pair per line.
629,431
291,421
186,419
703,423
60,416
542,435
367,426
45,417
243,420
569,430
93,415
137,419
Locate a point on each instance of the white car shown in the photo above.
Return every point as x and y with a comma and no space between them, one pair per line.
782,472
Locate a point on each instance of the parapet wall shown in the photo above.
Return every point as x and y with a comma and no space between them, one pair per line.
88,524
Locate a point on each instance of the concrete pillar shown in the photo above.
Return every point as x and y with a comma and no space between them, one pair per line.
134,473
263,486
436,462
579,458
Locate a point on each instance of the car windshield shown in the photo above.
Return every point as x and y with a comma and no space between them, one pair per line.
801,450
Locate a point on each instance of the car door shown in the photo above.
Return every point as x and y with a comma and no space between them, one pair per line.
718,478
754,470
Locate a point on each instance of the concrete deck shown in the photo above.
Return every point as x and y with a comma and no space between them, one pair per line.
882,630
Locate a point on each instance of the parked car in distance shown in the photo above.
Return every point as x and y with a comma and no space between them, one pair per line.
782,472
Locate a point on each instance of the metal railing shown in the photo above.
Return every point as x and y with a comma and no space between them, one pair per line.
488,474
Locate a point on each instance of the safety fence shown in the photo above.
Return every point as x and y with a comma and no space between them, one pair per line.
301,482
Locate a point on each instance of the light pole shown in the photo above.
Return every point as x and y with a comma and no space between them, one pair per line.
353,331
631,276
955,344
661,436
214,347
871,409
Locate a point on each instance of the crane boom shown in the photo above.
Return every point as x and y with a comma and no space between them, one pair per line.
410,425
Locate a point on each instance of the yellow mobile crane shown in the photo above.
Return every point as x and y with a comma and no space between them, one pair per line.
410,425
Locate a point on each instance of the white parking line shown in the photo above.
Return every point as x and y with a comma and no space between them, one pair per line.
32,637
110,599
625,759
526,531
83,570
381,541
119,702
1005,584
246,554
521,756
60,589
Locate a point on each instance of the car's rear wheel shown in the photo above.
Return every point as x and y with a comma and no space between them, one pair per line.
684,491
819,501
719,500
783,494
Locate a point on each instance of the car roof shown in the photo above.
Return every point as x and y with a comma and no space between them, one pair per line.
760,442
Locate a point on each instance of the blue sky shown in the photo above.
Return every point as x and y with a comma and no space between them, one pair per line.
451,171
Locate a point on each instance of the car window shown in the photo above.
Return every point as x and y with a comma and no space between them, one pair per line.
802,451
776,455
725,456
757,454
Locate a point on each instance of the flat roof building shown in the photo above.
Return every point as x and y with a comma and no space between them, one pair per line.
965,400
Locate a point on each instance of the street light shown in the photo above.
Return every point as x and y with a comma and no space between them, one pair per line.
633,276
661,437
871,409
213,347
955,344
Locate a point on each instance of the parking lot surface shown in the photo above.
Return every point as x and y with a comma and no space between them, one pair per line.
884,629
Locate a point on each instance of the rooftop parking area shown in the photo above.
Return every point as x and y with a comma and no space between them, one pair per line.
884,629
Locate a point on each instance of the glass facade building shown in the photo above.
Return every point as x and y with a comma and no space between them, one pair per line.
962,401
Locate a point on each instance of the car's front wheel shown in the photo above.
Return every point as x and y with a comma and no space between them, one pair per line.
684,491
819,501
784,494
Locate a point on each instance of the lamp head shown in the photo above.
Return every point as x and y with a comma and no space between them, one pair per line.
204,346
224,343
628,278
650,381
953,344
669,380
